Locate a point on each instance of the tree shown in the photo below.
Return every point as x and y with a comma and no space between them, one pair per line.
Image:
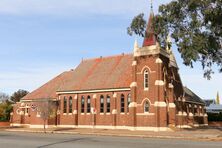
4,97
5,107
194,26
16,96
47,110
5,110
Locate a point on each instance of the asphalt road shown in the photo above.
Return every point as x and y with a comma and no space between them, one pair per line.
35,140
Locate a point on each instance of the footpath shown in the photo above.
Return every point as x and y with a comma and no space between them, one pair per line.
200,134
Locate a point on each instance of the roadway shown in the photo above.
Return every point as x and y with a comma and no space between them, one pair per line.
41,140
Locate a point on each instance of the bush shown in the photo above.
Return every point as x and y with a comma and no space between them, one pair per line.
214,117
5,110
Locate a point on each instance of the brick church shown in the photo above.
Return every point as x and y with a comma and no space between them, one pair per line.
137,91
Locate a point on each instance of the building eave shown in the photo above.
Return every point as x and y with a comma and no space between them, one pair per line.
92,91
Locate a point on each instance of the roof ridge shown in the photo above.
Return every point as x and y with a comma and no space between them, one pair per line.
107,57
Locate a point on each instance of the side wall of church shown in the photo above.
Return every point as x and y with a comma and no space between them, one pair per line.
97,113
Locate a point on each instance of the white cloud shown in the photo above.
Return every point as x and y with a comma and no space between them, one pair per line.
75,7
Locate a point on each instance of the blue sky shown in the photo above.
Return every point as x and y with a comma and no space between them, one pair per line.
39,39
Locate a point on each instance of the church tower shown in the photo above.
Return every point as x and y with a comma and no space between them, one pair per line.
152,89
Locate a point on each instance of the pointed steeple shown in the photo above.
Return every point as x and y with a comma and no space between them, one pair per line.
151,5
150,38
218,98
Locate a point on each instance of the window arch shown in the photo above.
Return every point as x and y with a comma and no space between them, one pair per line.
82,104
122,103
70,104
101,104
146,79
146,107
128,101
108,104
88,104
64,105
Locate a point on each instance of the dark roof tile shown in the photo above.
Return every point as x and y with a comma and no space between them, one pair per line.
192,97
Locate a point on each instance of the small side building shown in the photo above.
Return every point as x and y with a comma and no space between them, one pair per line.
214,108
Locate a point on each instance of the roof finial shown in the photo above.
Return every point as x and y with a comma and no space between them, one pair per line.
151,5
169,42
136,48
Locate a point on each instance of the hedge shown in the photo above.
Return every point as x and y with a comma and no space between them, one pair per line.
214,117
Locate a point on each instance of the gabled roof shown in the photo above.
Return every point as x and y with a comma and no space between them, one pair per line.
215,107
100,73
192,97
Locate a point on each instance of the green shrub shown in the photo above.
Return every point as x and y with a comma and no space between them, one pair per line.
5,110
214,117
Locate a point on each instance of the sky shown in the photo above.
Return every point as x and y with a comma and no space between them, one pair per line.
40,39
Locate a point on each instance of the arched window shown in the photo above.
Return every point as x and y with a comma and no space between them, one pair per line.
146,107
82,104
146,79
122,103
88,104
108,104
128,101
64,105
26,111
70,104
101,104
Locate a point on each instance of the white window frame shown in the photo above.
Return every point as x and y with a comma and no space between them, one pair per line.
27,111
146,80
102,104
122,103
145,103
128,101
108,104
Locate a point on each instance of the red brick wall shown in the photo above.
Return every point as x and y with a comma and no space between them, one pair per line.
3,124
16,118
143,62
215,124
104,118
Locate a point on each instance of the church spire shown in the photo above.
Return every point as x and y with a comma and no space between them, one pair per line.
150,38
218,98
151,5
